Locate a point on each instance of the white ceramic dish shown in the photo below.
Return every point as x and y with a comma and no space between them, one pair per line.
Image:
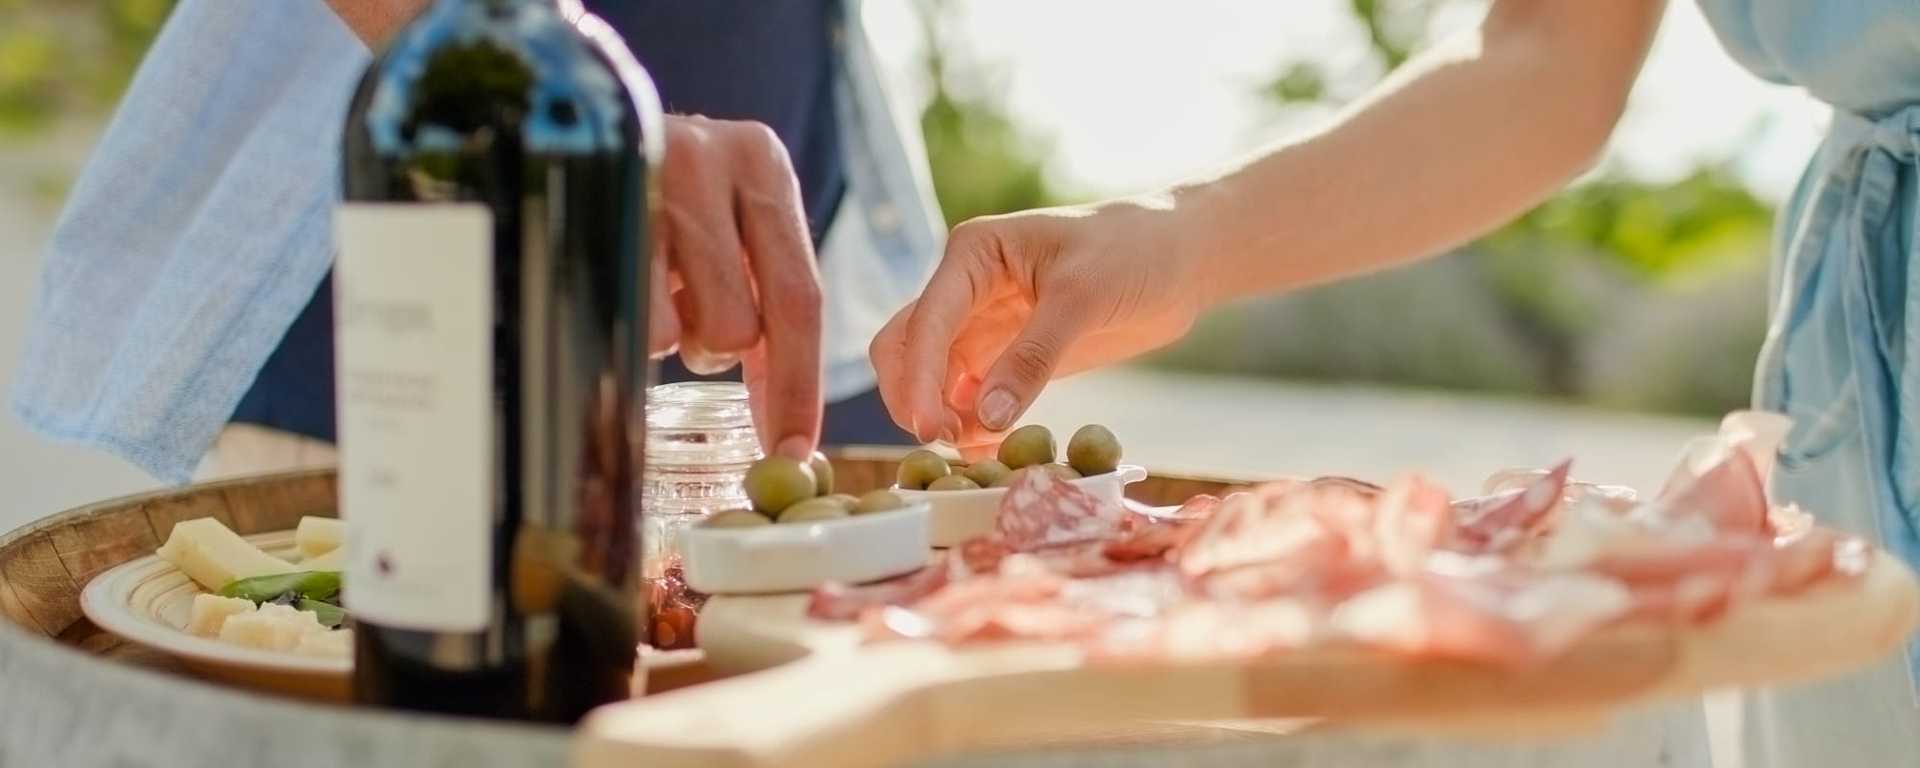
800,556
146,601
961,515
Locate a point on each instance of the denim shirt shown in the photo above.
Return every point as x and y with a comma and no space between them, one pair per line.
202,225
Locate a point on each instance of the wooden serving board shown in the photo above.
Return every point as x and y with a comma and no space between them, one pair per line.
824,700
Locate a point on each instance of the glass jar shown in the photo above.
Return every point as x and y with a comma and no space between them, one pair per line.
700,442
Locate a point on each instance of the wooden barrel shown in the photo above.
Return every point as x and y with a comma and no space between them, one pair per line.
73,695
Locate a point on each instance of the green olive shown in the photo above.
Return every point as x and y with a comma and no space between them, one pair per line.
1007,479
777,482
921,468
847,500
736,518
812,510
1093,450
1061,471
1027,446
987,473
878,501
953,483
822,474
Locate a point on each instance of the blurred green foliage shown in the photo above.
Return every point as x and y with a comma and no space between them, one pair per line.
982,162
62,57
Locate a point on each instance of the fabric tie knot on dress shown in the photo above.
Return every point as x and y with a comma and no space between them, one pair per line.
1896,133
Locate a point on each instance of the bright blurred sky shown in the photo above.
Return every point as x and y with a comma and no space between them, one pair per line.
1137,94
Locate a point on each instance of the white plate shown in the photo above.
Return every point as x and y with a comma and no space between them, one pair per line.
147,601
962,515
793,557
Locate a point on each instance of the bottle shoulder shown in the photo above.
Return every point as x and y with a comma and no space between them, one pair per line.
467,70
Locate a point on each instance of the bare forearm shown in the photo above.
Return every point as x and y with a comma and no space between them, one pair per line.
1454,145
374,21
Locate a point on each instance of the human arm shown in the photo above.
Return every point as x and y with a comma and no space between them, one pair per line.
1463,138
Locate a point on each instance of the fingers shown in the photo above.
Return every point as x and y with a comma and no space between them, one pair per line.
1027,364
959,285
735,235
698,359
753,373
780,257
663,325
719,319
887,352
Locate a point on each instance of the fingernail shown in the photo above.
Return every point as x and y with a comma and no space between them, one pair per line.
996,409
797,447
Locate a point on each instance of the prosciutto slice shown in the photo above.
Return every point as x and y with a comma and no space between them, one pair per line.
1501,521
1510,619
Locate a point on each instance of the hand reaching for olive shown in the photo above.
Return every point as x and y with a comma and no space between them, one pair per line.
734,276
1023,298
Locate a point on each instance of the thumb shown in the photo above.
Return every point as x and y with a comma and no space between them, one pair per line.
1027,364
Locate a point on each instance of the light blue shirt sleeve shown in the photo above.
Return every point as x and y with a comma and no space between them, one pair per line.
199,228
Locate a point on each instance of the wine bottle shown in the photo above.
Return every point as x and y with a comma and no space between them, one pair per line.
490,306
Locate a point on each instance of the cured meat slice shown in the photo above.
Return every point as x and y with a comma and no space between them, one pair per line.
1086,559
1724,476
1263,528
1361,487
982,554
1200,507
1510,618
1510,578
1205,630
1020,604
1137,593
1408,522
1504,520
1041,510
841,602
1151,541
1727,490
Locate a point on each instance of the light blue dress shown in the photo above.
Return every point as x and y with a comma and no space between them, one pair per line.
1843,327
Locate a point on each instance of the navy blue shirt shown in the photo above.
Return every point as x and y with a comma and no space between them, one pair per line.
765,60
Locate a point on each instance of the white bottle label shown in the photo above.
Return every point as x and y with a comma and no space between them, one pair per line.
413,345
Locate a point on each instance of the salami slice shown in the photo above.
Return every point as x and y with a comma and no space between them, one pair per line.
1041,510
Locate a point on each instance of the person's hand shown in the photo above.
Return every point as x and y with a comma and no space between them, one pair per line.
1023,298
734,276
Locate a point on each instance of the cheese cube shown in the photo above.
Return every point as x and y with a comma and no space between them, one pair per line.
271,628
337,644
335,560
317,536
210,612
214,556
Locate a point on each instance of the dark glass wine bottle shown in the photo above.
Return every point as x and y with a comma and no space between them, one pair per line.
490,308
